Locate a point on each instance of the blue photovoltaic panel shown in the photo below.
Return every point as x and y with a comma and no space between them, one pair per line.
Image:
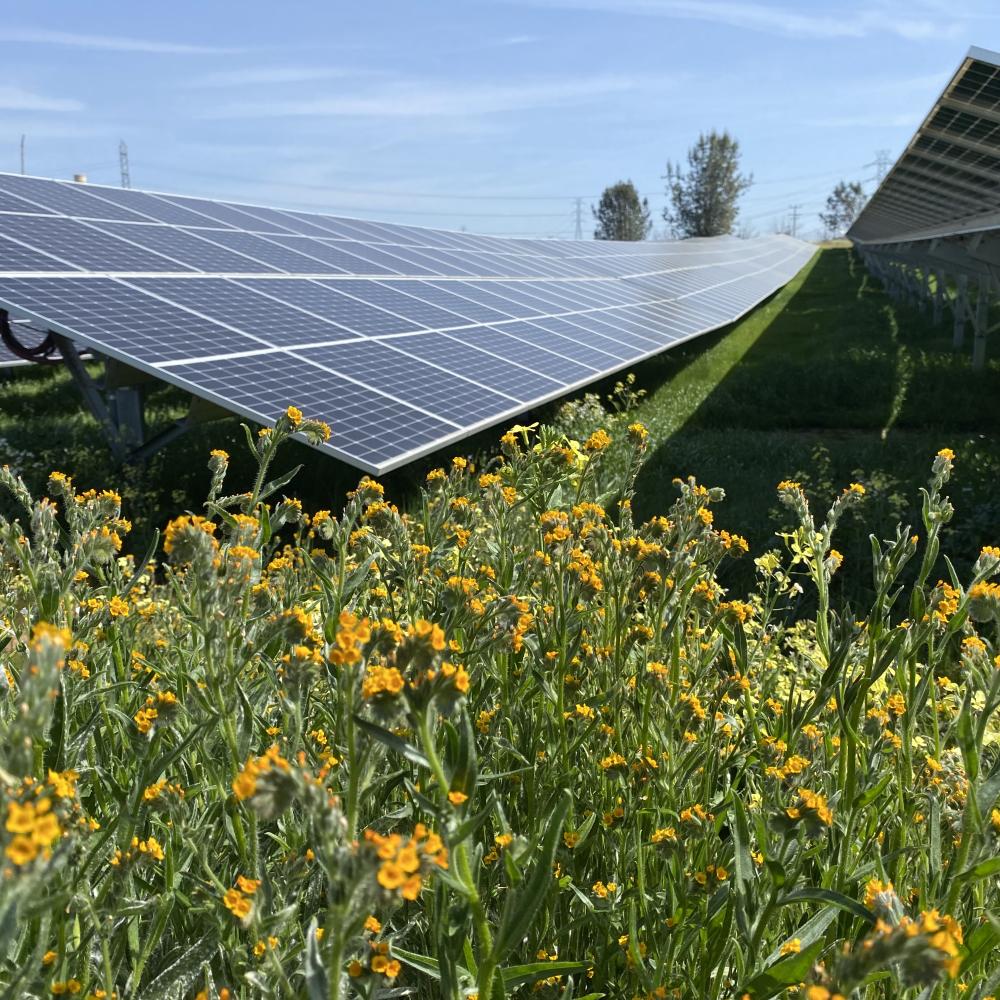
379,294
83,246
449,297
273,322
156,209
361,318
229,215
11,203
504,343
64,199
403,339
17,257
477,364
448,396
124,320
194,248
371,428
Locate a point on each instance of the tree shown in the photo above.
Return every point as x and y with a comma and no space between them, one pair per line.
843,207
703,201
621,215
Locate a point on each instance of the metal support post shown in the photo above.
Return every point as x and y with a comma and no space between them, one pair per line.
127,410
91,395
939,287
961,309
982,321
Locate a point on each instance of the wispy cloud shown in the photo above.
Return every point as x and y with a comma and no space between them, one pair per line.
773,19
904,120
18,99
110,43
421,99
254,75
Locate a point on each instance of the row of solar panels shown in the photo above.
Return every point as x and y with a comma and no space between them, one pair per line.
109,227
401,346
947,180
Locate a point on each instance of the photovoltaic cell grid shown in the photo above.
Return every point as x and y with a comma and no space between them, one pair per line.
947,180
403,339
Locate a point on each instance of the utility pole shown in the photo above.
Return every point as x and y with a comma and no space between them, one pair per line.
579,220
794,209
23,137
123,164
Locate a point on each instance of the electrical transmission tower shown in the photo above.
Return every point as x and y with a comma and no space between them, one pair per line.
578,234
123,164
794,209
881,163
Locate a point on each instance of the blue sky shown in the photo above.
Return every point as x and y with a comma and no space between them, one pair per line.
492,115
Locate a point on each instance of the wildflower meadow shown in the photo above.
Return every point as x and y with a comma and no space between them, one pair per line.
507,744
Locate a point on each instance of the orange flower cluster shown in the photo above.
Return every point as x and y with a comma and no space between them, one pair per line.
403,861
35,827
238,899
353,633
245,783
379,963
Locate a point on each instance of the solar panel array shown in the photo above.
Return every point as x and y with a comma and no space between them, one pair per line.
947,180
403,339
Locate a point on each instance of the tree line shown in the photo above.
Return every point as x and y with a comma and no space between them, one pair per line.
703,197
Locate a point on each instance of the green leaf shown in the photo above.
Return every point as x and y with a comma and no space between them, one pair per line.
982,870
176,980
313,969
427,965
980,943
867,797
275,484
809,933
788,971
522,975
742,861
393,742
520,907
967,738
988,792
829,896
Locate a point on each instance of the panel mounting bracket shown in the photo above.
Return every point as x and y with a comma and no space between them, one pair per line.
117,403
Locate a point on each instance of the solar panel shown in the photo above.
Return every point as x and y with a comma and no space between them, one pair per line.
947,180
403,339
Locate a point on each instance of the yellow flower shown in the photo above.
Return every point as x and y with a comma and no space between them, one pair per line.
294,415
597,441
237,904
117,607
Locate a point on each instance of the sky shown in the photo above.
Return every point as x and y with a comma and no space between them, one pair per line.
494,116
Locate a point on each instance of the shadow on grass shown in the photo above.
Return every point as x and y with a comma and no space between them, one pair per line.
840,386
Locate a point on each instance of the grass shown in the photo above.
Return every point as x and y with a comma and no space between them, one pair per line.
827,382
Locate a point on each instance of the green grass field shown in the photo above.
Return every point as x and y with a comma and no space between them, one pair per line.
827,383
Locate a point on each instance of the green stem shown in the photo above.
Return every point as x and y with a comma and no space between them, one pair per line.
484,936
